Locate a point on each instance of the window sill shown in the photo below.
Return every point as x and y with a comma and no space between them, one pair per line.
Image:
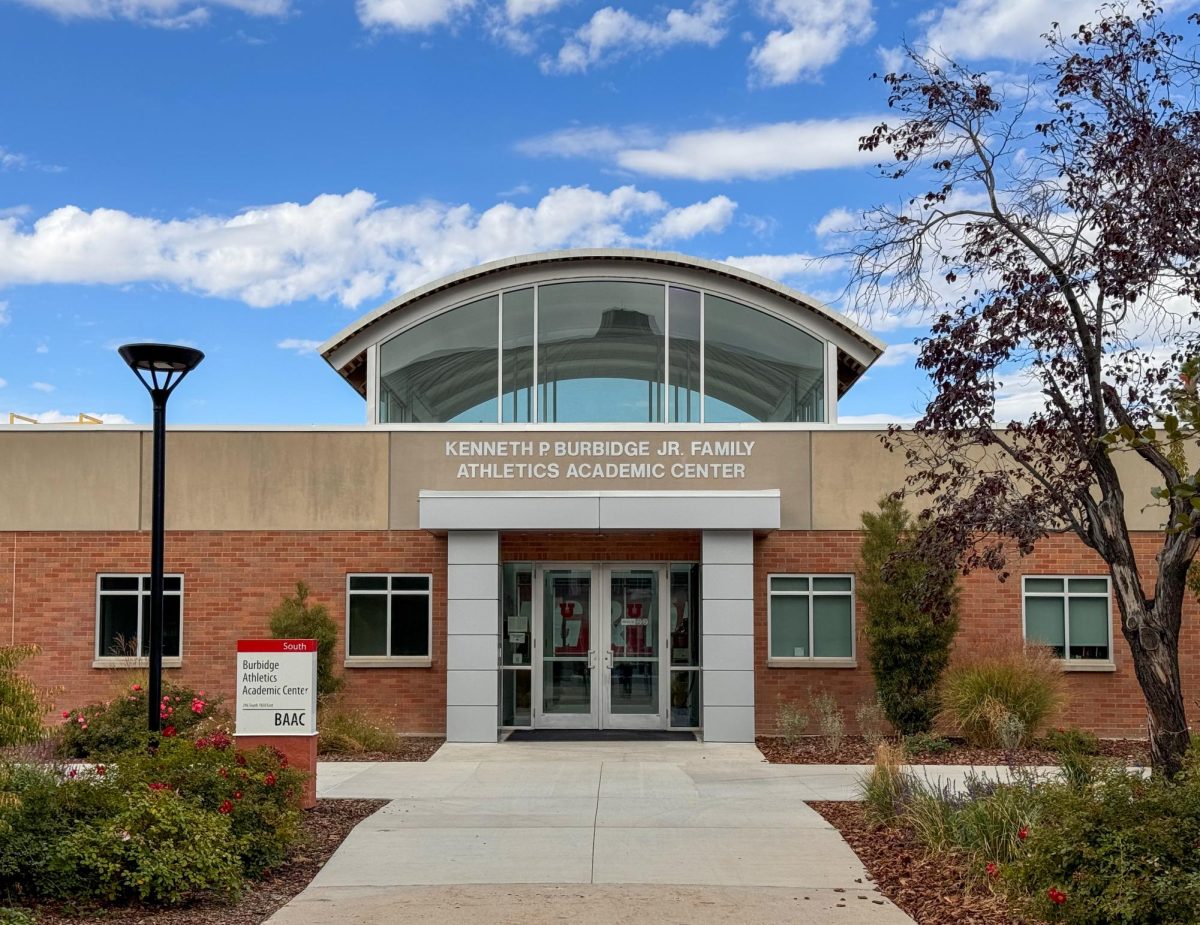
127,663
1087,664
396,661
812,663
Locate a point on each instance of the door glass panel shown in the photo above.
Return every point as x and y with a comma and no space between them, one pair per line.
685,698
515,699
517,614
566,677
683,614
634,620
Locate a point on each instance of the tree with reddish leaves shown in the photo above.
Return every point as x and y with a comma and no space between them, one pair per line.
1056,239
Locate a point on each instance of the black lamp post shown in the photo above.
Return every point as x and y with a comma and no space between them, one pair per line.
160,367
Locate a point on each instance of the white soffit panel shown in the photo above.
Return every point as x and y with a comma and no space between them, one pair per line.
599,510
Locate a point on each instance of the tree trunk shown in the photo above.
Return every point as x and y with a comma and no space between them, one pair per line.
1151,628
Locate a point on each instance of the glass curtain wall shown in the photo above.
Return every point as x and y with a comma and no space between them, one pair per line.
605,351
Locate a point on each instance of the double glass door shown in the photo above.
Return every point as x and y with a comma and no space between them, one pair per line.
602,632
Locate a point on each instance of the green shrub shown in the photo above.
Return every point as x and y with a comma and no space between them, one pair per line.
925,743
1003,698
830,719
21,706
295,618
791,722
162,848
17,917
1120,851
1071,740
348,732
101,730
911,600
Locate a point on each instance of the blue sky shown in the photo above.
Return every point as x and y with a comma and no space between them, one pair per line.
247,176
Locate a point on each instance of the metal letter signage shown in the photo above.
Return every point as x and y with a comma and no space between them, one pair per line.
276,687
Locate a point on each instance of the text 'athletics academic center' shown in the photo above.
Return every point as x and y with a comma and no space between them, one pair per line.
596,489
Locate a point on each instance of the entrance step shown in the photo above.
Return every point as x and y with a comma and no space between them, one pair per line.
600,735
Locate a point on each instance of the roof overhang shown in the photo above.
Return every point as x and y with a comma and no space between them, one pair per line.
346,350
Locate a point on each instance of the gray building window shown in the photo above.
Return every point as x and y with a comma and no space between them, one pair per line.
123,616
811,617
389,616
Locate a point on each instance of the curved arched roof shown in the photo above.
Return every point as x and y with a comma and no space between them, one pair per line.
346,350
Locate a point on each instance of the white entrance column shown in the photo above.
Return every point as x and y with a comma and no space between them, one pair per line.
472,635
727,617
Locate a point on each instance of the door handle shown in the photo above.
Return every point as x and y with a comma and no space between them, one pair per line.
591,659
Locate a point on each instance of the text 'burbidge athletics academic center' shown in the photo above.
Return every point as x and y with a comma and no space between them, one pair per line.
596,489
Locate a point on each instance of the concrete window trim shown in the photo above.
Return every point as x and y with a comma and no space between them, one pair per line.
123,662
143,595
389,593
390,661
812,661
777,662
1087,664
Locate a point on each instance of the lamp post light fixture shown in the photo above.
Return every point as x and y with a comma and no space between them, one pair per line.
160,368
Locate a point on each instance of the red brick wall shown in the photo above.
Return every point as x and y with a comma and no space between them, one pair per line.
1109,703
232,580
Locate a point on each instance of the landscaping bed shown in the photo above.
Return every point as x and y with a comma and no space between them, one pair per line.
323,829
857,750
406,748
932,889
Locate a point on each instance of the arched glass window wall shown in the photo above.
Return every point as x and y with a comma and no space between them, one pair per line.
602,351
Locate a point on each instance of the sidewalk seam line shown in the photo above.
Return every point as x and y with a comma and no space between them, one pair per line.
596,822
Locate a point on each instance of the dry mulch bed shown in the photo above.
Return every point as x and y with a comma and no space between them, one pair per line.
934,890
409,748
325,827
855,750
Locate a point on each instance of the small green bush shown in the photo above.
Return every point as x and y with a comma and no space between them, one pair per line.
910,594
1123,850
886,786
1003,699
296,618
348,732
21,706
925,743
1073,741
17,917
101,730
161,848
791,722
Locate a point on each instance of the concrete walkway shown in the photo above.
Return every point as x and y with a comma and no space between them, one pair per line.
610,832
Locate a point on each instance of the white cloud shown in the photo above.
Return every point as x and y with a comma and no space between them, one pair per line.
882,419
815,36
614,33
345,247
3,383
299,345
838,222
758,152
409,15
586,141
14,160
972,29
42,387
57,417
170,14
4,316
785,266
904,354
42,348
516,10
689,221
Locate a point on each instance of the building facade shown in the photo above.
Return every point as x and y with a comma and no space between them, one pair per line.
595,489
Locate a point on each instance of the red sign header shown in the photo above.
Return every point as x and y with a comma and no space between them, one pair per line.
277,645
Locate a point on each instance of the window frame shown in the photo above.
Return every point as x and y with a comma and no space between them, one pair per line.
1068,663
813,661
828,372
100,660
390,661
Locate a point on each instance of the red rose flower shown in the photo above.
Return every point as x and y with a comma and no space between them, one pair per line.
156,785
237,794
222,772
135,687
169,731
241,760
993,869
1023,832
225,808
1057,896
100,770
269,780
66,714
